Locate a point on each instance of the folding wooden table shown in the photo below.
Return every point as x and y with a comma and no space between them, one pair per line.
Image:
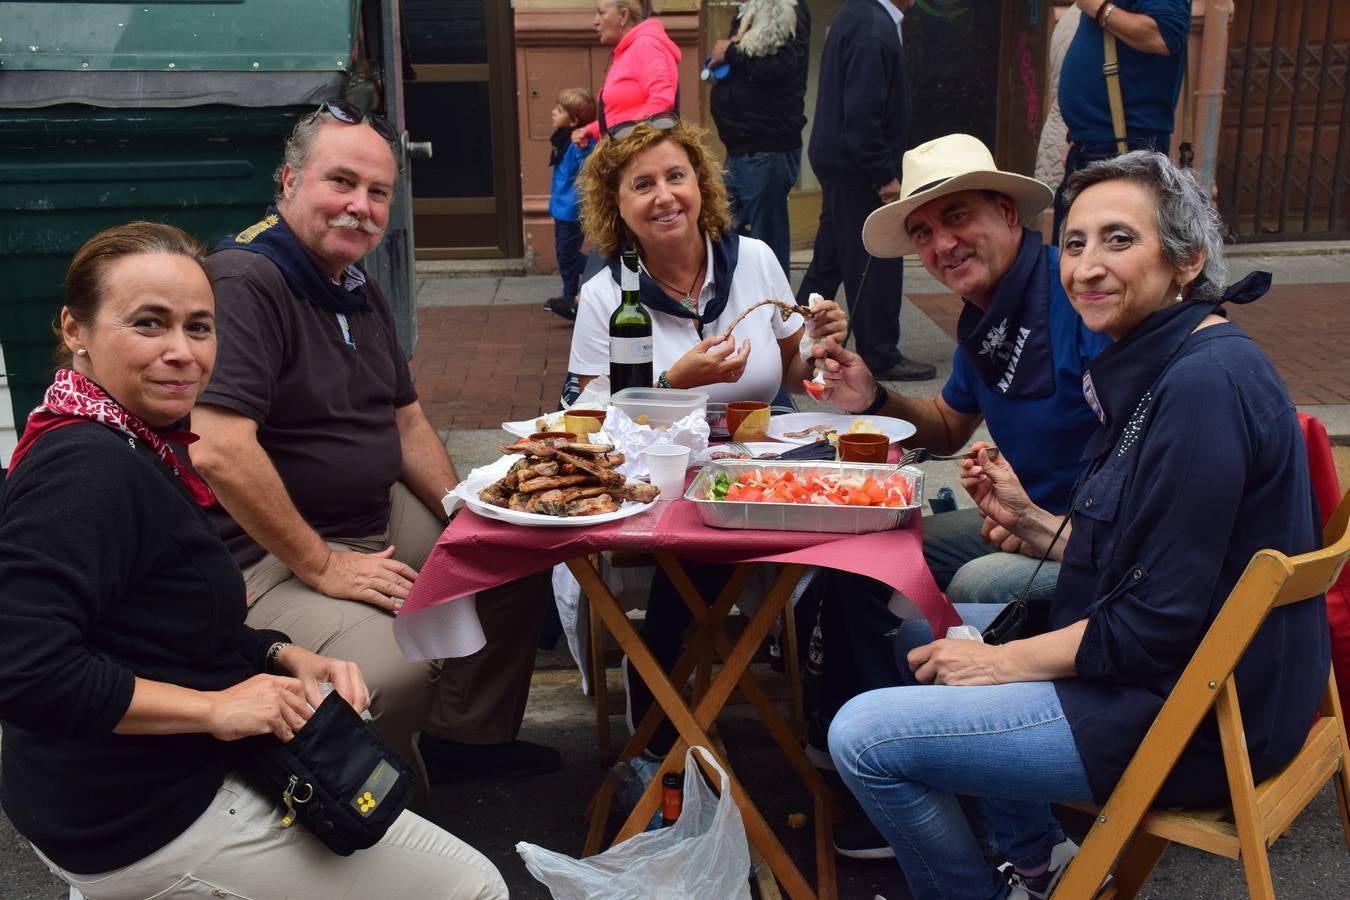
475,553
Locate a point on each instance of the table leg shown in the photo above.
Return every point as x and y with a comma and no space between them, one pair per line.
692,724
599,684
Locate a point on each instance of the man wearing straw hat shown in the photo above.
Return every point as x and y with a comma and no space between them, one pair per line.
1018,366
1021,349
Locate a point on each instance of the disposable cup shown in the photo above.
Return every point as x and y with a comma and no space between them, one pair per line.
747,420
667,463
582,422
863,447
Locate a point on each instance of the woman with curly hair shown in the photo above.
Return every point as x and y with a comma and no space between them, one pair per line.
653,186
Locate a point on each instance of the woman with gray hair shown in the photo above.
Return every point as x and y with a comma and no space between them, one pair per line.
1199,463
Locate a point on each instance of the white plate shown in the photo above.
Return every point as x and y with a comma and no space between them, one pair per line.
468,492
895,429
755,448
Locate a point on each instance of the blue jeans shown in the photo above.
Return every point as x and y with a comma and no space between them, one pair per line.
758,185
567,243
907,753
971,571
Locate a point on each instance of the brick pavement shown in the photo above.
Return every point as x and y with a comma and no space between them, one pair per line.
1304,328
477,366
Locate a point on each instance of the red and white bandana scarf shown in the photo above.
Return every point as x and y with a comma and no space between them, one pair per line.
73,398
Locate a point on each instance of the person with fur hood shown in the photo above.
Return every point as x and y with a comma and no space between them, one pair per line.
759,108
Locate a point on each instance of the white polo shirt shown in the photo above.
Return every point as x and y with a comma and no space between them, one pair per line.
758,276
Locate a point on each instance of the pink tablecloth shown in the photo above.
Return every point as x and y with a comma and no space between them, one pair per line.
475,553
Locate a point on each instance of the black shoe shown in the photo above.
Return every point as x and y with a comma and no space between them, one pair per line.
857,838
563,306
908,370
450,760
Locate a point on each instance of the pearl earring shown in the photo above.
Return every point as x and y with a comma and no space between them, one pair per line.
81,352
1179,295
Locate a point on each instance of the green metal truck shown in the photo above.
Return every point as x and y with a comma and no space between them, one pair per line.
170,110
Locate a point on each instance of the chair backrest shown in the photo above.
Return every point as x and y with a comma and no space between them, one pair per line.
1271,579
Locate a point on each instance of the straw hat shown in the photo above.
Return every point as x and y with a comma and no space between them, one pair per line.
946,165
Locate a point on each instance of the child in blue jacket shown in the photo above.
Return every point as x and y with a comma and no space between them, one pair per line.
575,108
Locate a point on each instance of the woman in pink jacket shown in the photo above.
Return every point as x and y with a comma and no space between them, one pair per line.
642,75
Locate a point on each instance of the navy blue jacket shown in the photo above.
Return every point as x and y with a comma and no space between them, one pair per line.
1211,468
862,100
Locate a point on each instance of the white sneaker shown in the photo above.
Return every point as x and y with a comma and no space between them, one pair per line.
1041,886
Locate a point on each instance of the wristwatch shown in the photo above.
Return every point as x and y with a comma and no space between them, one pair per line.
878,401
273,653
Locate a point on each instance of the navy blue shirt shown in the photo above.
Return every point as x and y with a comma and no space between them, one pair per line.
1042,438
1215,470
1149,83
862,100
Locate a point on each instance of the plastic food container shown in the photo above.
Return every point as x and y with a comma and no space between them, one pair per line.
802,516
661,406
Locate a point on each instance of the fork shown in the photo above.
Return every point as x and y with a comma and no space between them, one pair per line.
735,447
923,454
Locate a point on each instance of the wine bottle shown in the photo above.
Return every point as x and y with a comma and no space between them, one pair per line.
630,333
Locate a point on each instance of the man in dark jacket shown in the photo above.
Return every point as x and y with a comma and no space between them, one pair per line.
857,138
759,108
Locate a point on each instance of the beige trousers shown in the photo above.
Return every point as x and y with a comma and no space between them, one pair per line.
477,699
238,849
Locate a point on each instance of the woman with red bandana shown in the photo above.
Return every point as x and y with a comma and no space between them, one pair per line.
127,674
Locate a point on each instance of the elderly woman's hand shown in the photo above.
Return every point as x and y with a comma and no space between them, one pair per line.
712,360
998,492
312,669
956,662
580,137
830,320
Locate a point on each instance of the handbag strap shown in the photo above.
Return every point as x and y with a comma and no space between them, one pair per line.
1111,70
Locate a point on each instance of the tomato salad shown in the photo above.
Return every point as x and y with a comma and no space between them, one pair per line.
784,486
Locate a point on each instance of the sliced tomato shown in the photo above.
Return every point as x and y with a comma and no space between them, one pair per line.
815,389
873,491
751,495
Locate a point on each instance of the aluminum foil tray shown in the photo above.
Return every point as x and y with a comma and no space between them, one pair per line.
801,516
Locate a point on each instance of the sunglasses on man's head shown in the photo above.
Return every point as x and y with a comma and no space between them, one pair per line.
349,115
663,121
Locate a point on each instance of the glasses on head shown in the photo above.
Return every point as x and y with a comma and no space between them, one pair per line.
349,115
662,121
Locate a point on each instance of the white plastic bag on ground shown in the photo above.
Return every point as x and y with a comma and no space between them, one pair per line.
704,854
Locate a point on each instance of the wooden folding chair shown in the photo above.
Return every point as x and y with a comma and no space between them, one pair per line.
1259,814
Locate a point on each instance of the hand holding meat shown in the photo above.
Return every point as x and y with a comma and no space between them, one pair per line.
828,320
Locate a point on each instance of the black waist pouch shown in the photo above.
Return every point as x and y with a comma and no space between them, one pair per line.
336,775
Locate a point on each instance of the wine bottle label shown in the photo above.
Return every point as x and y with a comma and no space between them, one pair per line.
630,350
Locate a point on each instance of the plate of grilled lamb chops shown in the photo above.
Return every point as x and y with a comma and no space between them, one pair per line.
560,483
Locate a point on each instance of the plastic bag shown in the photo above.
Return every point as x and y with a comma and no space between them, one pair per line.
704,854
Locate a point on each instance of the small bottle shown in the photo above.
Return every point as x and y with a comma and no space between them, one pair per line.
630,334
672,797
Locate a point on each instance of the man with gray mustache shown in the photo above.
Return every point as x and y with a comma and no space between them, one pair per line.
329,474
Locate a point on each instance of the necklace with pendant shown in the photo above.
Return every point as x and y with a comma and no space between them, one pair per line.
687,301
